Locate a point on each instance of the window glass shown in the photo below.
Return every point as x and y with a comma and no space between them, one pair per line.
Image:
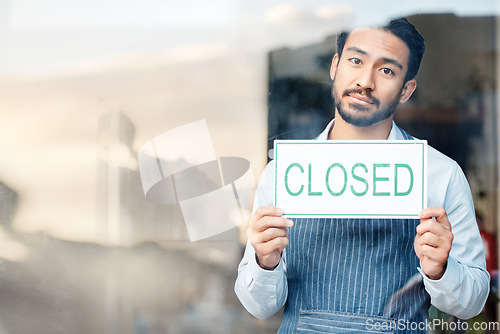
134,135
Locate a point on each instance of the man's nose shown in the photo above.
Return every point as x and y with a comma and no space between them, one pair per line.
366,79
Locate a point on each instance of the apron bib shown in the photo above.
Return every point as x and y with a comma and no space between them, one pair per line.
353,276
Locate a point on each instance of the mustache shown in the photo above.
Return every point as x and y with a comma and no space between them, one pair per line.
367,93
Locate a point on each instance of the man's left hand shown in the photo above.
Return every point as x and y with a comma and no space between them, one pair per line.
433,241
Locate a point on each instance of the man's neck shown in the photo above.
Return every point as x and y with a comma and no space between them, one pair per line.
341,130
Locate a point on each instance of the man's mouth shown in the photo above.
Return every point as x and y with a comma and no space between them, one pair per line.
360,99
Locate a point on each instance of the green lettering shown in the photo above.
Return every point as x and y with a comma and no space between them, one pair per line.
311,193
396,192
286,180
359,178
375,179
328,179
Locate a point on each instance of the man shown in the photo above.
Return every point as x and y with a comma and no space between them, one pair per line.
368,275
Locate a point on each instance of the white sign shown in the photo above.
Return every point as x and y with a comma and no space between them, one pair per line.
356,179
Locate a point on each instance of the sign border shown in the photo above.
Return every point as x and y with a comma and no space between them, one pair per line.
423,143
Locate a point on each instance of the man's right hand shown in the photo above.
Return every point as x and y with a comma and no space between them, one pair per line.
268,235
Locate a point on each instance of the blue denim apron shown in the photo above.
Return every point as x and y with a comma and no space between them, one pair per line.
353,276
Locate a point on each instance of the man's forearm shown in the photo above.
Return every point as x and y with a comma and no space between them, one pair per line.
262,292
462,291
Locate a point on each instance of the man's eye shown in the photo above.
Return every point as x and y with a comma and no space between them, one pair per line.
355,61
387,71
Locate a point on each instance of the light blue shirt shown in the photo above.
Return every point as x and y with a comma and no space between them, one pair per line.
464,287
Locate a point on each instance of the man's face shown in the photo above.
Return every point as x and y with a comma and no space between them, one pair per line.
368,80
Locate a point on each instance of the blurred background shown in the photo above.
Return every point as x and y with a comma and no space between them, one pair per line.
84,84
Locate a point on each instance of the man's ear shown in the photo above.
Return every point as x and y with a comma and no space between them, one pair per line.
333,67
408,90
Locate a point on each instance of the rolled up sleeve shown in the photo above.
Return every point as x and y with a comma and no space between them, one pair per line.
262,292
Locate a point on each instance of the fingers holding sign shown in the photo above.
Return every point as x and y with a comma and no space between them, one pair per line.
433,241
268,235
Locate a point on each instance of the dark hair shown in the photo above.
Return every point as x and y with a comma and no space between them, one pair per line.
408,34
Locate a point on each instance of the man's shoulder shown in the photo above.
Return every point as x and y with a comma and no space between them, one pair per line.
271,165
436,157
433,155
441,169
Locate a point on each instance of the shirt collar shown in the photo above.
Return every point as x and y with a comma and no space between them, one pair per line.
395,133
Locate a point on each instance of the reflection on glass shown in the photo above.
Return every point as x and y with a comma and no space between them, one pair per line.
83,86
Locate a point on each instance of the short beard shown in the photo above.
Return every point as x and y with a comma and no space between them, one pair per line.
357,119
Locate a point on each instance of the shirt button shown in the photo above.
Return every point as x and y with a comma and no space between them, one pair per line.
273,276
272,297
